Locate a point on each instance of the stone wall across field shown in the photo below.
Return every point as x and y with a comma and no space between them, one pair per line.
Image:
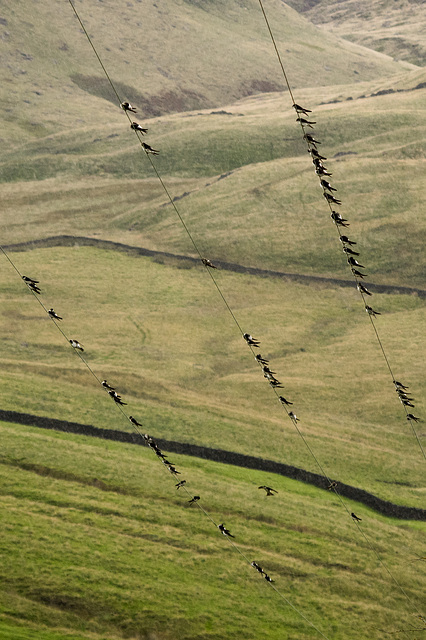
225,457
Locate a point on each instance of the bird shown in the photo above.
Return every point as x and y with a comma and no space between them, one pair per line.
306,123
350,251
331,486
257,567
149,149
250,340
322,171
54,315
276,384
126,106
194,499
261,360
407,403
314,152
107,386
371,311
285,402
225,531
310,138
355,263
137,127
266,369
173,470
399,384
28,280
34,287
294,417
207,263
300,109
180,484
338,219
356,517
330,198
326,185
267,578
358,274
410,416
114,395
76,345
363,289
346,240
134,421
269,490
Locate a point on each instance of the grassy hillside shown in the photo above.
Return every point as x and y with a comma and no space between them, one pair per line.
115,551
394,27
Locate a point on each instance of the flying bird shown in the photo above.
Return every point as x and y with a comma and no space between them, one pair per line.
149,149
356,517
54,315
137,127
300,109
358,274
350,251
363,289
251,341
207,263
326,185
134,421
107,386
371,311
180,484
355,263
310,138
330,198
76,345
346,240
114,395
304,122
225,531
411,417
269,490
285,402
294,417
194,499
126,106
261,360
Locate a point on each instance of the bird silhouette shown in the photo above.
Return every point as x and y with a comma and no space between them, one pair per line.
250,340
410,416
350,251
114,395
126,106
346,240
285,402
257,567
225,531
306,123
356,517
300,109
261,360
194,499
149,149
371,311
326,185
330,198
180,484
358,274
355,263
134,421
315,153
338,219
107,386
54,315
137,127
76,345
310,138
363,289
294,417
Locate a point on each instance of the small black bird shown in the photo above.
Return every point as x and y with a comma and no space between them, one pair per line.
134,421
330,198
399,384
261,360
294,417
403,396
411,417
114,395
338,219
137,127
331,486
355,263
326,185
350,251
346,240
180,484
310,138
363,289
266,369
358,274
250,340
285,402
149,149
275,383
371,311
315,153
207,263
269,490
76,345
267,578
107,386
126,106
300,109
29,280
306,123
257,567
322,171
34,288
225,531
52,314
194,499
407,403
173,470
356,517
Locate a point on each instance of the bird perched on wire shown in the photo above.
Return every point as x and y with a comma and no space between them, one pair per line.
322,171
267,578
180,484
261,360
149,149
338,219
126,106
330,198
30,280
350,251
300,109
194,499
407,403
76,345
371,311
107,386
269,490
32,284
310,138
315,153
410,416
134,421
285,402
294,417
274,382
54,315
114,395
358,274
208,263
266,369
306,123
326,185
250,340
173,470
137,127
257,567
356,517
363,289
355,263
345,240
399,384
225,531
